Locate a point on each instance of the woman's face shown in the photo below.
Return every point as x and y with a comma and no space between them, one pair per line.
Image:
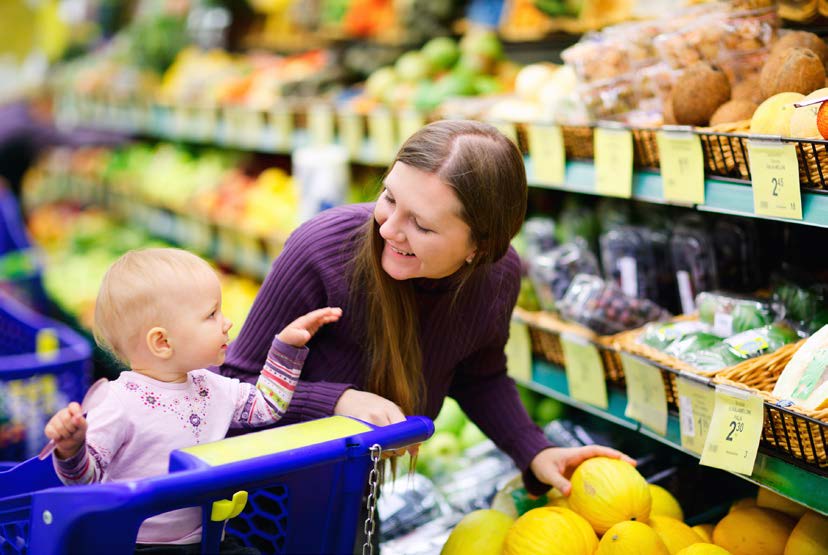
419,219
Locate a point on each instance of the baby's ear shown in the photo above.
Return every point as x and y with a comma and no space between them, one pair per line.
158,343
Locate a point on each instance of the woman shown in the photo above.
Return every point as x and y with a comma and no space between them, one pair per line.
427,282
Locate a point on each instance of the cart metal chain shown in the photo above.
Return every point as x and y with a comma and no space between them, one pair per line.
373,481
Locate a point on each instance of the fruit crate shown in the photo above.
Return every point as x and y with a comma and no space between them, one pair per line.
789,431
306,484
43,366
726,156
545,331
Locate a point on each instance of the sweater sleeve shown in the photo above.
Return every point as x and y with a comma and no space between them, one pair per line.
490,398
293,287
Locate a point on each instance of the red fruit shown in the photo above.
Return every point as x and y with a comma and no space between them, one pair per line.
822,120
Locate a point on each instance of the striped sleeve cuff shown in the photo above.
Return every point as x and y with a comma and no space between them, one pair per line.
76,469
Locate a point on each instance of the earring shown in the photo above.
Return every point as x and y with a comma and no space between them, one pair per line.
470,259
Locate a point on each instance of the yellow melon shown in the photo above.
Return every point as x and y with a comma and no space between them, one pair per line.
556,499
768,499
664,503
550,531
704,549
608,491
754,530
773,116
809,536
675,534
479,532
804,120
705,531
746,503
631,538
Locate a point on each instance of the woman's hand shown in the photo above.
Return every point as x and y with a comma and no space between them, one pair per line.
375,410
554,466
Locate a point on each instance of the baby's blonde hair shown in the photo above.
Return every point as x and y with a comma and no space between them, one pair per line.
137,290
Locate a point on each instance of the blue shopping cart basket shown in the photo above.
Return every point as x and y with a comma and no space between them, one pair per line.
43,366
306,484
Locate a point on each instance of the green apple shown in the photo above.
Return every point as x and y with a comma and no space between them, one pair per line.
471,435
380,81
441,53
412,67
529,399
548,410
451,418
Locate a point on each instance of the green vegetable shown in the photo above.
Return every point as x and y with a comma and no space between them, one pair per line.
693,343
661,335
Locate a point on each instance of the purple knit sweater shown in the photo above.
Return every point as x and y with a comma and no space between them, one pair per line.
462,342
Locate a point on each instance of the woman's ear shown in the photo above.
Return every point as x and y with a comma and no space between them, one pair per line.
159,344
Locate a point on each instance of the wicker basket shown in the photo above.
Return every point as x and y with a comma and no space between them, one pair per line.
578,141
545,330
724,148
812,156
645,148
797,432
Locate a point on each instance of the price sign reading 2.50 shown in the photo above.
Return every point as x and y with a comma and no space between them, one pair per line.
775,180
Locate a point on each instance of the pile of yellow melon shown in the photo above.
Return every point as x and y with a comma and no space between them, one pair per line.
612,510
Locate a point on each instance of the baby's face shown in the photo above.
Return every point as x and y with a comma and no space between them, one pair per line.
198,330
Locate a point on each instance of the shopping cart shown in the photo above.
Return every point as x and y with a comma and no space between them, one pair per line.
20,268
306,480
43,366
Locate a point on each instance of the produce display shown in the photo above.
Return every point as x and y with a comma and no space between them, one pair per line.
729,315
553,271
805,378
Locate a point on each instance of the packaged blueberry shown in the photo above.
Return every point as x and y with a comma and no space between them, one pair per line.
604,308
691,250
628,261
553,271
737,254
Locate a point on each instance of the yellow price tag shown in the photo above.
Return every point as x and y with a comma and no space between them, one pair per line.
519,352
584,371
682,166
613,162
351,133
47,344
321,124
546,149
251,127
383,139
507,129
735,431
410,123
646,398
205,120
282,122
774,174
695,402
248,253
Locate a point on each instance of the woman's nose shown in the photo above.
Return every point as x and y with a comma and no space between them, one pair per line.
390,231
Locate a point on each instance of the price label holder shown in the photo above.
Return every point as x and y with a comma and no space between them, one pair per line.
508,129
546,149
613,161
682,165
584,371
774,174
646,398
735,431
383,138
351,133
519,352
281,118
696,400
321,124
410,121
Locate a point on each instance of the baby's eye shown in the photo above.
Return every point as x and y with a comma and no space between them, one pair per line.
212,314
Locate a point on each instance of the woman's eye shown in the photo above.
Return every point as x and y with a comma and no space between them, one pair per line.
421,228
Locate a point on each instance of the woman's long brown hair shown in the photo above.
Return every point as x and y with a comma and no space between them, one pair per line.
486,172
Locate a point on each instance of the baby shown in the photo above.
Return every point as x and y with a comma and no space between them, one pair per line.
159,311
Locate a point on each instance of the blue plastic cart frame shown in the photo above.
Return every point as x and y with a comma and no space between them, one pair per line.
323,485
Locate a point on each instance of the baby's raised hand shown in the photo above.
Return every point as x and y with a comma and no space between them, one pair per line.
300,331
68,429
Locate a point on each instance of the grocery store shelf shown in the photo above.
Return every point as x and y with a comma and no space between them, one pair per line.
720,196
769,471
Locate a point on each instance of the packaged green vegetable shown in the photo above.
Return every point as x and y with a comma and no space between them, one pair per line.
742,346
661,335
729,315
